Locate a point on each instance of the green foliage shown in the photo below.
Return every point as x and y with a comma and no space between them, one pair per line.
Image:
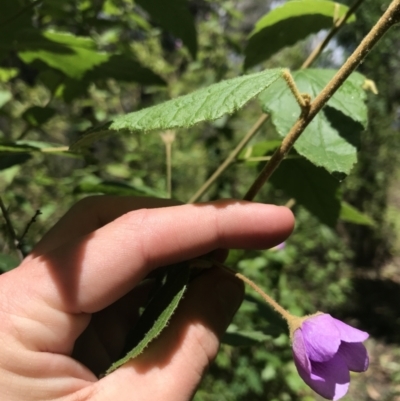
206,104
289,23
331,139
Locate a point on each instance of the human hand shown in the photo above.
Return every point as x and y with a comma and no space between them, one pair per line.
66,310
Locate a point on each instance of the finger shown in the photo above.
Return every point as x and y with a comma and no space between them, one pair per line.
173,365
91,213
88,274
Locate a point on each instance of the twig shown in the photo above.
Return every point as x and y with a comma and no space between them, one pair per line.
388,19
28,226
319,49
19,13
264,117
11,230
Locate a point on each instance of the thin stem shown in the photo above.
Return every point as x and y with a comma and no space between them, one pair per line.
270,301
28,226
303,100
338,24
388,19
10,229
232,156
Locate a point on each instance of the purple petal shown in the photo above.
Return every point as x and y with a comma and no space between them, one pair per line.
355,355
350,334
329,379
321,337
299,353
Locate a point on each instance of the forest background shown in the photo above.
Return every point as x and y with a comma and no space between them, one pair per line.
118,57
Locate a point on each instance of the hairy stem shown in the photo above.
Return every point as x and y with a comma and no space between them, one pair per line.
388,19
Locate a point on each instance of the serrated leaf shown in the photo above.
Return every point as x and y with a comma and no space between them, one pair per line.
350,214
327,141
289,23
174,17
116,188
205,104
37,116
311,186
124,68
73,55
244,338
157,314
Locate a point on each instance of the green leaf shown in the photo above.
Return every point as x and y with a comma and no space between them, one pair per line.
206,104
124,68
244,338
331,139
311,186
174,17
5,96
258,150
116,188
350,214
8,262
6,74
37,116
73,55
289,23
157,314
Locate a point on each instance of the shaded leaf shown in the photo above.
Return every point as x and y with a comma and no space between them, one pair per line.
124,68
289,23
37,116
8,262
205,104
328,141
73,55
350,214
244,338
174,17
8,160
157,314
311,186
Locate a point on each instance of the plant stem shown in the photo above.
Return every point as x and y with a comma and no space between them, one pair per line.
168,137
388,19
338,24
232,156
11,230
264,117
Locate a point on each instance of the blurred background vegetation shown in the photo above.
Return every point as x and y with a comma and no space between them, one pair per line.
352,271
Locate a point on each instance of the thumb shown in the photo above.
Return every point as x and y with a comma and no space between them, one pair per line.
172,366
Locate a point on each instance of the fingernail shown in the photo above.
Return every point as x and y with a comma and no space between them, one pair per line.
230,294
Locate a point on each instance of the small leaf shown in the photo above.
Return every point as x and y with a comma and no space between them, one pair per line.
205,104
350,214
259,149
328,140
157,314
174,17
289,23
311,186
244,338
37,116
5,96
116,188
73,55
6,74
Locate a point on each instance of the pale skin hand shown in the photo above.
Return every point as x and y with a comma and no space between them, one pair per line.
65,311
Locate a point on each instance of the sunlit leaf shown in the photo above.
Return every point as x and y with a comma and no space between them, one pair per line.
5,96
157,314
350,214
332,138
205,104
289,23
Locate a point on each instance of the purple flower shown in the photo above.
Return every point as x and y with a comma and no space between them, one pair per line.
325,350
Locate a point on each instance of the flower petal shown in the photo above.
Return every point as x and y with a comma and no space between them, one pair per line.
321,337
355,356
350,334
329,379
299,353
